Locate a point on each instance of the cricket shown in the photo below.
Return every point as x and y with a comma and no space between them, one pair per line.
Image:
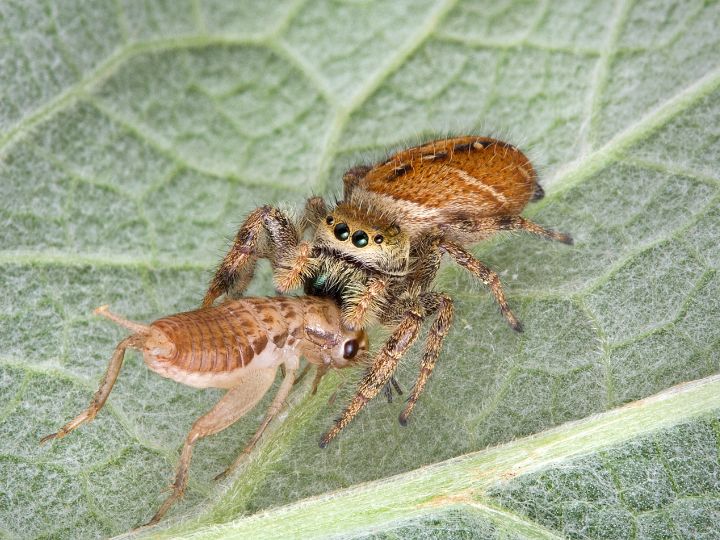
237,345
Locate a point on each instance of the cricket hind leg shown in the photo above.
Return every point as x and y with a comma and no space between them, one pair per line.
136,341
236,402
272,411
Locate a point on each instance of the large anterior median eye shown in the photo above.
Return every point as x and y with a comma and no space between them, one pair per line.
342,231
351,349
360,239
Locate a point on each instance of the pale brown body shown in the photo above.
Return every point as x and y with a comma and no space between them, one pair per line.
377,252
237,345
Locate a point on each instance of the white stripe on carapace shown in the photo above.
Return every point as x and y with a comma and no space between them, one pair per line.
479,183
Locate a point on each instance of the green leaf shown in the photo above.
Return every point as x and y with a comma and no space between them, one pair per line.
135,136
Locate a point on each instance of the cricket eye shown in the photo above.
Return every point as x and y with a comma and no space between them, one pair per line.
329,220
351,349
360,239
342,231
378,238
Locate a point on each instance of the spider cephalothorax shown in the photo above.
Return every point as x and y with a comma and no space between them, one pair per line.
378,251
366,237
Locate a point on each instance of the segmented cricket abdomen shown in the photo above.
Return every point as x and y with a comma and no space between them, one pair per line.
231,335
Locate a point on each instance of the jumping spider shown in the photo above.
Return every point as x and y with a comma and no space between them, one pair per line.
378,250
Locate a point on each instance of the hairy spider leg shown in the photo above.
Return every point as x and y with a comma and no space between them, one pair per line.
483,227
352,178
322,370
359,308
381,370
438,331
291,258
237,268
315,212
465,259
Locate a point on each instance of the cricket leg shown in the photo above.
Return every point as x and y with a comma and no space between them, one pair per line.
274,408
300,376
381,370
106,385
319,374
438,331
231,407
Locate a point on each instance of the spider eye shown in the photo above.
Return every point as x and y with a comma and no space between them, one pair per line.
342,231
329,220
360,239
351,349
379,238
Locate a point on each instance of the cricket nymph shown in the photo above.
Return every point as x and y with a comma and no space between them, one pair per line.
211,347
236,345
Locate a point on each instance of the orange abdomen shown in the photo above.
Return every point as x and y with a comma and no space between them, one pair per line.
468,175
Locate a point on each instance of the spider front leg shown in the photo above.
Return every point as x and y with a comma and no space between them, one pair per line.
315,211
237,268
381,371
294,266
363,305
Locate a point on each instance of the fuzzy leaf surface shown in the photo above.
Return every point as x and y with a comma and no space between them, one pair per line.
136,135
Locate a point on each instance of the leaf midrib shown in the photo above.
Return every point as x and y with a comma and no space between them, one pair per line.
476,472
